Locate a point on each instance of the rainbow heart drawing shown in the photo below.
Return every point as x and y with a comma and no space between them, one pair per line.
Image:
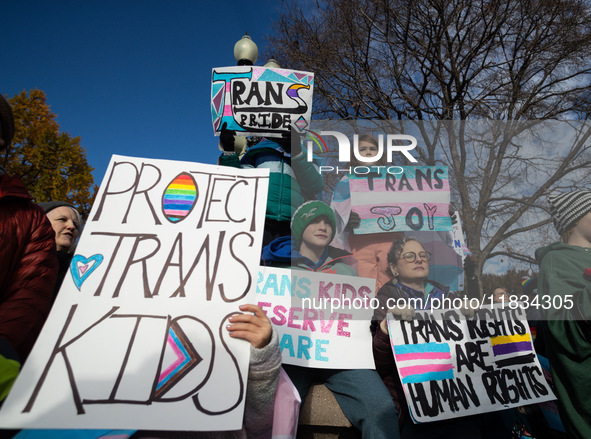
82,267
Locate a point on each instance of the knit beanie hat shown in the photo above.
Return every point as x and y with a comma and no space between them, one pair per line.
568,208
307,213
47,206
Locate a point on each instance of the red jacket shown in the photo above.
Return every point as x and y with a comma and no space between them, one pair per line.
28,266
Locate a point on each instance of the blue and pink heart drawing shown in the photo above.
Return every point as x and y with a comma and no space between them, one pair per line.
82,267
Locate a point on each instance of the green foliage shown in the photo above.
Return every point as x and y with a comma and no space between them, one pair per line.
51,164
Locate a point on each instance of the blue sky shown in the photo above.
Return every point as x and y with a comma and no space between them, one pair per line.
129,77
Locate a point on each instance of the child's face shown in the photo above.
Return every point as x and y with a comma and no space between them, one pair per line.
367,149
582,230
318,233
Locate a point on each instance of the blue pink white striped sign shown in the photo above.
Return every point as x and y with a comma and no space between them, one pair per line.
416,199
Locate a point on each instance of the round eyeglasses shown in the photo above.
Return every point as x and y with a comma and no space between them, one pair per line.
412,256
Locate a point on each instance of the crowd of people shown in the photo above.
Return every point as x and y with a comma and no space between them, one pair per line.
304,233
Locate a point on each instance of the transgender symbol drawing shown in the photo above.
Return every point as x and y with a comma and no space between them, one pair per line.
185,358
82,267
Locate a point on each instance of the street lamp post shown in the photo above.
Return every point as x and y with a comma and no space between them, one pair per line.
246,53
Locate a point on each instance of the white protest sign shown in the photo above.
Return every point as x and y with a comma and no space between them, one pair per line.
458,238
415,198
451,367
261,100
136,338
322,319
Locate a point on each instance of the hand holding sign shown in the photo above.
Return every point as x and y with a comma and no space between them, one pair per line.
255,328
450,366
406,313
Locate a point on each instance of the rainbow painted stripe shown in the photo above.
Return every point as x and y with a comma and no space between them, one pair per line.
179,197
319,141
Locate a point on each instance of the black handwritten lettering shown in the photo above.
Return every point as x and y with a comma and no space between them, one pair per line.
404,183
131,261
390,182
425,328
138,237
144,192
238,88
157,394
210,193
472,355
436,175
196,401
60,349
420,177
210,278
254,93
430,214
176,248
212,200
236,258
445,395
370,177
414,211
134,186
272,96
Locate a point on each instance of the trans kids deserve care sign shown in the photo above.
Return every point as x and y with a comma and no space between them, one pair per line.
451,367
136,338
322,319
416,198
261,100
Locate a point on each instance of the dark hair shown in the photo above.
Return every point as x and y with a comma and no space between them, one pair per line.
396,251
496,287
369,138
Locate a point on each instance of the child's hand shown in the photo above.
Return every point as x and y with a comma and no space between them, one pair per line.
254,328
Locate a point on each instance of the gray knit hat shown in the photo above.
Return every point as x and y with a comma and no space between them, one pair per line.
307,213
48,206
568,208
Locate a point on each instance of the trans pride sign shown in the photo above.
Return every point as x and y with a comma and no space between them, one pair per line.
321,318
450,366
260,100
136,338
414,199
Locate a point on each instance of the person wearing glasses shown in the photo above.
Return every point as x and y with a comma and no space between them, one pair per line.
408,264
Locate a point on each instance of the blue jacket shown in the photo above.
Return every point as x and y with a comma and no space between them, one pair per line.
281,253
